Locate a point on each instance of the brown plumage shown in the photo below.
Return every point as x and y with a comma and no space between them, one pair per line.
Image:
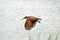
30,22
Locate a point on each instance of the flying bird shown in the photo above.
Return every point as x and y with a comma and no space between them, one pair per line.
30,22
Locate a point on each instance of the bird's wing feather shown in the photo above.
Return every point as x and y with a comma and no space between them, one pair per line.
28,24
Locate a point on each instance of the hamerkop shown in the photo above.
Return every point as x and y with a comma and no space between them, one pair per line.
30,22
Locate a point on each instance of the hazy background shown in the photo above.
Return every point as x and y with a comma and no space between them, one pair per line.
12,25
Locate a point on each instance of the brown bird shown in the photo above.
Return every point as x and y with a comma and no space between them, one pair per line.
31,22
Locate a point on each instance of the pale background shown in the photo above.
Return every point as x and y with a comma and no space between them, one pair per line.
12,25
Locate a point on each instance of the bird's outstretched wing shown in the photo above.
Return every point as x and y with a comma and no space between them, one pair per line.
28,25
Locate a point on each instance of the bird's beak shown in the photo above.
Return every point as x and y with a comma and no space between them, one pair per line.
24,17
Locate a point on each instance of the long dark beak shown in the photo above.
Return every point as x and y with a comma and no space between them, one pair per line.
24,17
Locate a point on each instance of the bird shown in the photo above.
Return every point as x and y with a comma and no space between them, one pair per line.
31,22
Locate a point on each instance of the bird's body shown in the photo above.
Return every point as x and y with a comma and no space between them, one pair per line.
30,22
